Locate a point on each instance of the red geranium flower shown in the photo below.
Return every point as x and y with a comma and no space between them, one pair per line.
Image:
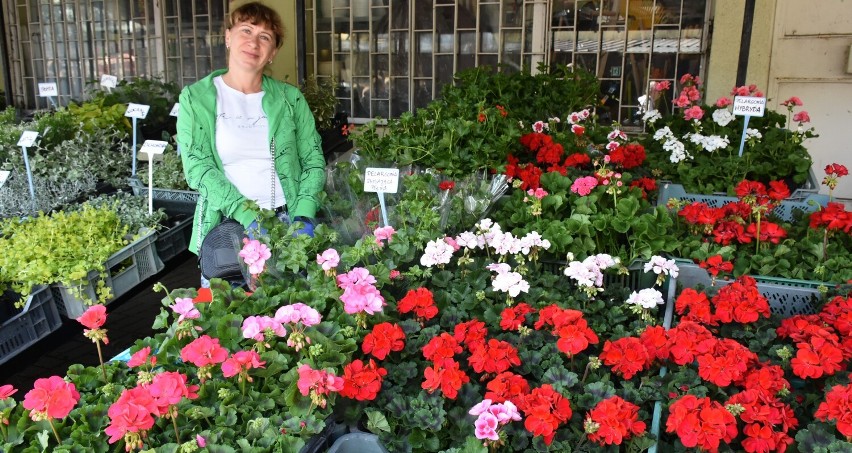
51,398
494,357
816,358
716,264
577,160
740,302
550,154
535,140
627,356
575,338
686,340
778,190
701,423
507,386
628,156
362,382
728,231
446,185
530,175
656,341
615,420
471,334
695,305
766,379
442,347
420,301
511,318
837,407
445,376
833,217
725,363
836,169
769,232
384,338
645,184
545,410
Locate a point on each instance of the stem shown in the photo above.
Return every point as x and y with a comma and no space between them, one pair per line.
174,423
101,358
585,373
825,244
56,434
243,385
757,238
3,430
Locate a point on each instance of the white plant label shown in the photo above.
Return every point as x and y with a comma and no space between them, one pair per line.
139,111
749,106
4,176
175,109
109,81
382,180
47,90
153,147
28,139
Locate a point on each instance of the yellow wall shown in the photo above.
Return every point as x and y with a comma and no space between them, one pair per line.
285,65
725,47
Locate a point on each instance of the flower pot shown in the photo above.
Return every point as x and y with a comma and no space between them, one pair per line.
357,443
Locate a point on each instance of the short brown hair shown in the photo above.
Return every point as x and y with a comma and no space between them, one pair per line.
257,13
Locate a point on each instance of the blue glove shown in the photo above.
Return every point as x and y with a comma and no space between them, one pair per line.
307,228
255,230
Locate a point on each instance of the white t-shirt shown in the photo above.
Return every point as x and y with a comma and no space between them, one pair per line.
242,141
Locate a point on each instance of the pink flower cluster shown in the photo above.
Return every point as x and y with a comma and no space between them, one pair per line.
360,294
185,307
317,384
240,363
258,327
298,313
255,254
50,398
490,417
329,260
583,186
383,234
204,351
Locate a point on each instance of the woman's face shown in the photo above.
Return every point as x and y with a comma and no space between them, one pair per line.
252,46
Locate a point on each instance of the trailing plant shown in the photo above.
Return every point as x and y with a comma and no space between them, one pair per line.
62,247
161,96
132,211
16,200
168,172
93,115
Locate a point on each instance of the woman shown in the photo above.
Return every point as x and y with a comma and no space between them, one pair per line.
246,136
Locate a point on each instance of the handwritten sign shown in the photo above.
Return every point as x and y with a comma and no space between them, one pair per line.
152,147
109,81
46,90
175,109
28,139
139,111
4,176
749,106
382,180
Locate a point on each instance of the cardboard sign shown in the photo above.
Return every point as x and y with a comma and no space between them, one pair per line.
4,176
152,147
175,109
749,106
46,90
28,139
109,81
382,180
139,111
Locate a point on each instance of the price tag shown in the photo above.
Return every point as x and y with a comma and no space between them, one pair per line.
4,176
175,109
749,106
139,111
109,81
28,138
382,180
46,90
153,147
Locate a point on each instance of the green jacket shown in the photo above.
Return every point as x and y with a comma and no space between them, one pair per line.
298,157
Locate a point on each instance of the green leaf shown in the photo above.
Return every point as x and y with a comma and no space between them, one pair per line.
376,421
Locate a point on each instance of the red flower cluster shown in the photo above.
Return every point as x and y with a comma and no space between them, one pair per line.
512,318
820,350
716,265
762,414
529,174
471,334
701,423
384,338
442,347
420,301
645,184
494,357
362,382
547,152
628,156
613,420
573,331
445,375
739,302
446,185
725,362
687,340
545,410
837,407
627,356
507,386
833,217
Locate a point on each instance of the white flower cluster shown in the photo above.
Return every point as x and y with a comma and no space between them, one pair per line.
437,252
508,281
662,266
672,145
753,134
589,272
646,298
723,117
486,234
709,143
651,116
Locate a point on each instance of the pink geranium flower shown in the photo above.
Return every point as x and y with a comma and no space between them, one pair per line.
723,102
317,384
130,415
204,351
51,398
140,357
257,327
7,391
693,113
168,389
583,186
384,234
254,254
298,313
185,308
793,101
240,363
94,317
329,259
802,117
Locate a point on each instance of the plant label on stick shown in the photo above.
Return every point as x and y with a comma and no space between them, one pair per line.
381,181
109,81
150,149
136,112
48,90
175,109
28,139
748,106
4,176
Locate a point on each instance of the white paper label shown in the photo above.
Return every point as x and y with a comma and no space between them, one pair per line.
4,176
154,147
175,109
385,180
749,105
109,81
46,90
139,111
28,138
